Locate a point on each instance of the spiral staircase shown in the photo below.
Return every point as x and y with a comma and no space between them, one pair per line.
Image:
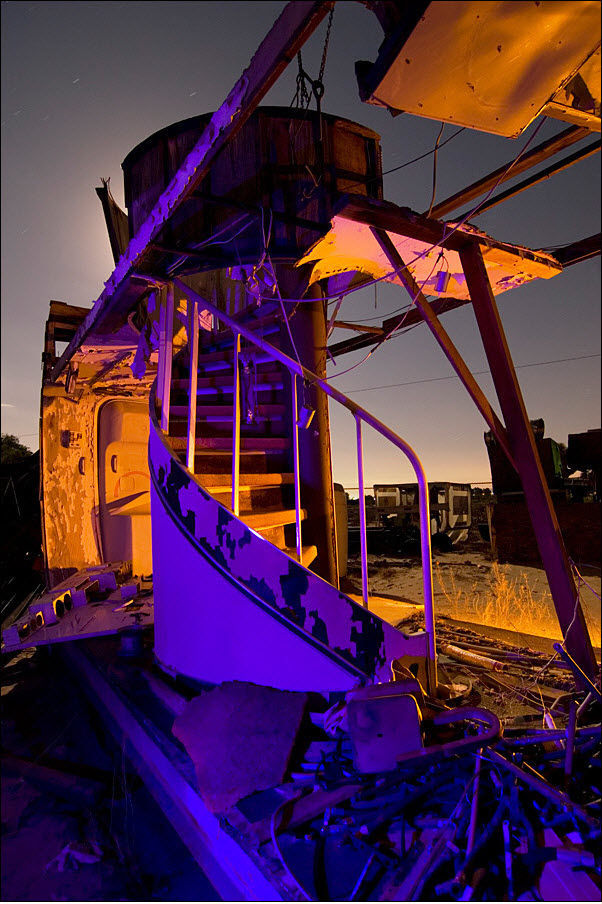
233,599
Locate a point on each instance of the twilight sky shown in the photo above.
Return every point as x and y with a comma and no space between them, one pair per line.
83,83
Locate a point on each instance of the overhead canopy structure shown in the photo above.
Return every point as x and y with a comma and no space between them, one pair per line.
493,66
428,250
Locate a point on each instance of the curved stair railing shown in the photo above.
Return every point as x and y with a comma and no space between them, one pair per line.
228,488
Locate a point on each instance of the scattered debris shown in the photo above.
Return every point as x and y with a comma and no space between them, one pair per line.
239,737
74,853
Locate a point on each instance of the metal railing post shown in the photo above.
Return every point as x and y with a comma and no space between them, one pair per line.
359,413
166,346
236,428
159,299
427,572
193,349
297,476
362,507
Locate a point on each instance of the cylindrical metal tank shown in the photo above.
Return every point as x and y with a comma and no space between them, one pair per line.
286,167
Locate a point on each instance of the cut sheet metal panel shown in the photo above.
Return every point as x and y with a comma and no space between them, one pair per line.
350,246
485,65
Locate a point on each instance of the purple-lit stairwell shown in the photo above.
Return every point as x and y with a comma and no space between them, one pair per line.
232,599
266,496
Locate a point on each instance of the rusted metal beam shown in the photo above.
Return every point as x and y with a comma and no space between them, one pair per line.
297,21
546,173
539,153
358,327
579,251
405,278
524,450
409,318
589,121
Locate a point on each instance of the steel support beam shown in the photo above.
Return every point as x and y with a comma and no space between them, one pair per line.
450,351
543,174
532,158
522,442
579,251
588,121
409,318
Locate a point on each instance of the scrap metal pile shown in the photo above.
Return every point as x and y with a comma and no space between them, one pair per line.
393,795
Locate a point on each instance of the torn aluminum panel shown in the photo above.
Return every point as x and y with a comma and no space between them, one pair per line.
578,101
71,611
485,65
351,246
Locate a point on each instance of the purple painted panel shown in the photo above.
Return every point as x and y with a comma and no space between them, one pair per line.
239,566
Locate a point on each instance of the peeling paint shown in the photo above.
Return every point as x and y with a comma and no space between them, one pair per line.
294,593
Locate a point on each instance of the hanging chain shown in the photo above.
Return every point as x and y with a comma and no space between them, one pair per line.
302,96
326,41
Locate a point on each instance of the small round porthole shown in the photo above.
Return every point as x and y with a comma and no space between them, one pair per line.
81,466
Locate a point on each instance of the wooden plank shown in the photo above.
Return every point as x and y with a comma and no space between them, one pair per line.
235,873
539,153
405,222
589,121
62,309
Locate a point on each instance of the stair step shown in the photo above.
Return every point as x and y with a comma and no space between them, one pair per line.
217,483
275,535
219,461
270,518
219,413
264,326
308,554
247,443
255,499
219,361
224,382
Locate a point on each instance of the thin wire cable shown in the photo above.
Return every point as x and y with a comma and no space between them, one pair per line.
381,317
410,162
446,235
435,150
387,337
475,373
405,307
277,848
214,240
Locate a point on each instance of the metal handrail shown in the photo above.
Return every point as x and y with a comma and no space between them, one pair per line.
360,414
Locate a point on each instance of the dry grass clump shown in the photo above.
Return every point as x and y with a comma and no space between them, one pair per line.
506,603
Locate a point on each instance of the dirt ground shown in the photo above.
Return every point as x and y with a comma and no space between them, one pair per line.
470,587
77,824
